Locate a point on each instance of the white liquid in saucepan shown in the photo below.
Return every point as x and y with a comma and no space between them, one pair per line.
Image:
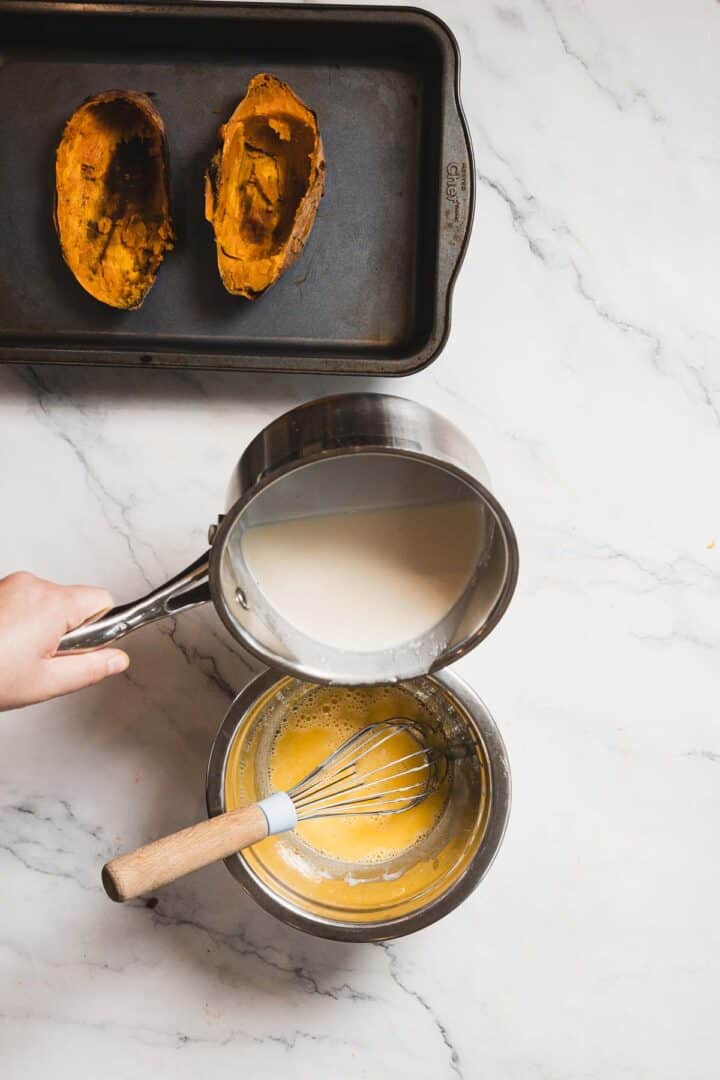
368,580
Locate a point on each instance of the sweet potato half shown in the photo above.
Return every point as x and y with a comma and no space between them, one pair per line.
263,186
112,205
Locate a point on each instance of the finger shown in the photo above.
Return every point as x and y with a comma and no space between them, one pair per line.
81,602
64,674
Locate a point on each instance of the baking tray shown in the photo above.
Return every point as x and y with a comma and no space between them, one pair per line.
371,292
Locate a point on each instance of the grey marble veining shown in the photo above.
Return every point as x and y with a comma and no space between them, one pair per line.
585,363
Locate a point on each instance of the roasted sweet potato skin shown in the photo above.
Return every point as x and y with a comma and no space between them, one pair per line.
263,186
112,202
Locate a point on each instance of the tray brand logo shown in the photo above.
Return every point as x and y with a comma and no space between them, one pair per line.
455,191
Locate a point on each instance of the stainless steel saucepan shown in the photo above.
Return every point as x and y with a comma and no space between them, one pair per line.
336,455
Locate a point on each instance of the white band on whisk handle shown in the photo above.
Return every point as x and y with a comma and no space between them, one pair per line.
279,811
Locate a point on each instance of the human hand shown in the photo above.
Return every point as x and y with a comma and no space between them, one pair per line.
34,615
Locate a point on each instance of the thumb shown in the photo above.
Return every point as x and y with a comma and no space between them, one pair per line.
64,674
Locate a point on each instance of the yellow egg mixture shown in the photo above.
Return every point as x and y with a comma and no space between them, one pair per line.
316,726
361,863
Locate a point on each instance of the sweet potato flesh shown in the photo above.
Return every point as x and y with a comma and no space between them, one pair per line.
112,205
264,185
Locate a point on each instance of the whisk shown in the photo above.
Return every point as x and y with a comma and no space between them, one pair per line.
348,781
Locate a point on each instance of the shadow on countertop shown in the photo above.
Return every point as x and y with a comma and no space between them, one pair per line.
88,387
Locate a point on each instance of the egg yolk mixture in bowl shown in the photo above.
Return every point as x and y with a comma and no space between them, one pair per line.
359,868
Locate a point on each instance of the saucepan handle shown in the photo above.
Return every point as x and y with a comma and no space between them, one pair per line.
185,590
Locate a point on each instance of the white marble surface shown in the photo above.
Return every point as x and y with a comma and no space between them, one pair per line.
585,362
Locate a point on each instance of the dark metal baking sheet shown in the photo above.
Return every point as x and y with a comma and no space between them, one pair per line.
371,292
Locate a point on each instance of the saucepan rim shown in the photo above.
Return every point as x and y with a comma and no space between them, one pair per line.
287,667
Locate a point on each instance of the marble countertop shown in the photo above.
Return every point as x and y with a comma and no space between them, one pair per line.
584,361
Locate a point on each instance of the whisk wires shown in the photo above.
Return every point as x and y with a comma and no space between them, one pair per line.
353,781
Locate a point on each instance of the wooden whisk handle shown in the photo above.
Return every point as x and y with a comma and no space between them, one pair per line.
165,860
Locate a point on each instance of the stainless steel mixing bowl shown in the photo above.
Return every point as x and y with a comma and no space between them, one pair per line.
401,895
